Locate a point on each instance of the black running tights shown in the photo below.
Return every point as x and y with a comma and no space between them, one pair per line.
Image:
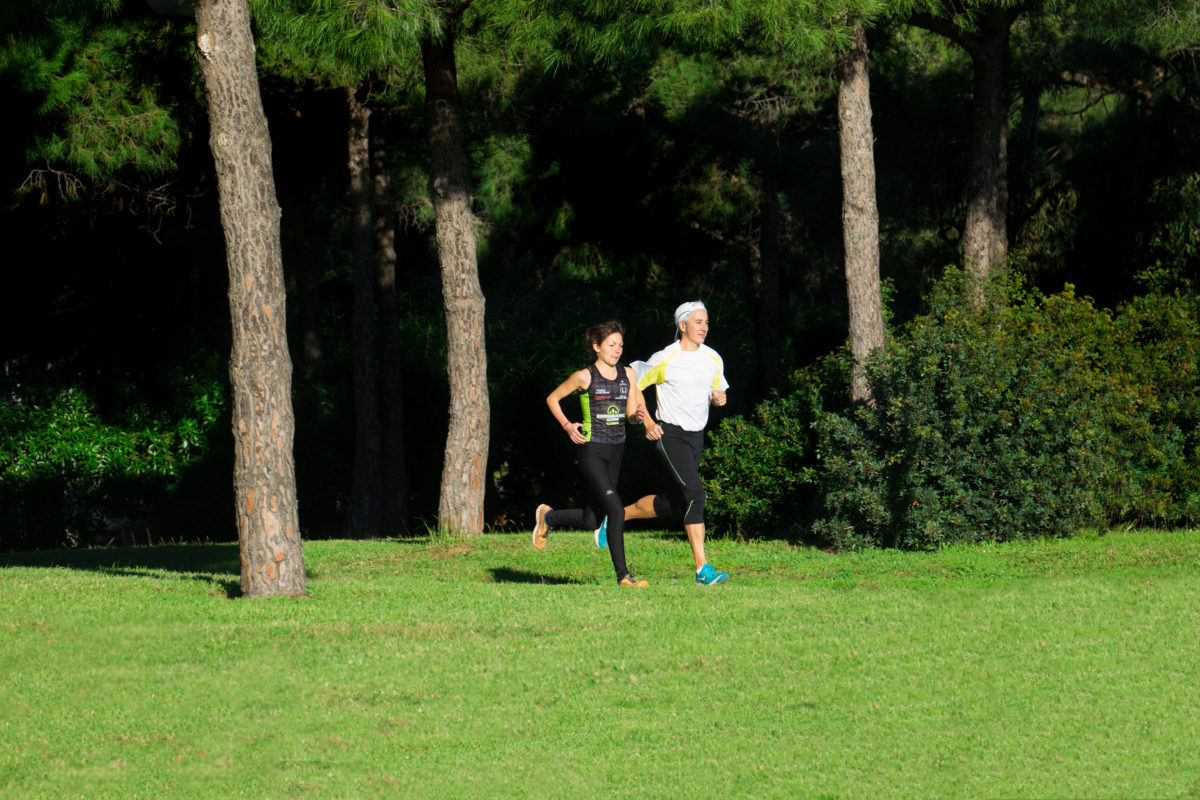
601,466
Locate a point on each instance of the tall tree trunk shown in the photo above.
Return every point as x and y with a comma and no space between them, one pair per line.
985,233
460,507
365,515
860,213
260,368
391,375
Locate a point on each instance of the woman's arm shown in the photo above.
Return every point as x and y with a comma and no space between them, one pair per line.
634,403
578,381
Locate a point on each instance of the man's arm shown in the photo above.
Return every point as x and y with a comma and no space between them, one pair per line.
720,385
654,371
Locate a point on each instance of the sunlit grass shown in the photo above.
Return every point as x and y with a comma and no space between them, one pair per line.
451,669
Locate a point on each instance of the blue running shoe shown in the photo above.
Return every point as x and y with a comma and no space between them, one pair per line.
602,534
707,576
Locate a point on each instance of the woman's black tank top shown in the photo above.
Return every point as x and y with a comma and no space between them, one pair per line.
604,407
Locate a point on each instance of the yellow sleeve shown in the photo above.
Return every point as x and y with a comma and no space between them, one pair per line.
656,374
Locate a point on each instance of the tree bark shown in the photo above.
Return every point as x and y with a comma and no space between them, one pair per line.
391,374
860,213
985,233
460,506
365,513
260,367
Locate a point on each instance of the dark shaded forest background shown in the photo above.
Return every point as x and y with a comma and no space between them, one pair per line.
612,188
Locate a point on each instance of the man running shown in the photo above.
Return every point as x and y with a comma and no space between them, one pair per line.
690,376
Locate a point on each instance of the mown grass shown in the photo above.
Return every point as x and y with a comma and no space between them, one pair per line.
486,669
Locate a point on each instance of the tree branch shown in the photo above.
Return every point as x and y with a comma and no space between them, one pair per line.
944,27
1135,88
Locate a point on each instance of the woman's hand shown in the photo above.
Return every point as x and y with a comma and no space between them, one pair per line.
572,429
654,431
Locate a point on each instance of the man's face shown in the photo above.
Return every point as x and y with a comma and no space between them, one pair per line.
695,327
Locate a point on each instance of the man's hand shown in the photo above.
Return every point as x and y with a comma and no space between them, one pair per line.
654,431
718,397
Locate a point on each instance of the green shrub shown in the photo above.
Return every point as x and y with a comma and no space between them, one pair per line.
75,471
1157,448
987,425
756,469
1032,417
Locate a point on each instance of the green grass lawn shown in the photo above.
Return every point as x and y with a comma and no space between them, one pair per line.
487,669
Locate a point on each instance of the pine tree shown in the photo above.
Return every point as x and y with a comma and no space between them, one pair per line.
860,213
983,30
464,469
366,34
107,119
260,366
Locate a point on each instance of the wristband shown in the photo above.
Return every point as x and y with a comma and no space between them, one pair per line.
566,425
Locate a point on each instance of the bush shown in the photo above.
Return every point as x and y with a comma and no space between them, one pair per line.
1032,417
1157,448
756,471
75,471
987,425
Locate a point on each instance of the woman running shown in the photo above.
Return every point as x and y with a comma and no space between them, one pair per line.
609,396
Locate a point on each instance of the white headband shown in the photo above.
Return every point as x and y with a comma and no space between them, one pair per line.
686,310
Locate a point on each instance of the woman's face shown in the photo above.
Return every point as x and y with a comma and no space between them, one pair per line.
609,351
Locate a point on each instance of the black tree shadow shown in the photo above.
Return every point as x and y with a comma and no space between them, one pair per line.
219,564
506,575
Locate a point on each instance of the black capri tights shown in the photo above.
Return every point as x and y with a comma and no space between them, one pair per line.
680,452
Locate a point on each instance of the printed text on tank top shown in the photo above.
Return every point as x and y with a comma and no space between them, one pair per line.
604,406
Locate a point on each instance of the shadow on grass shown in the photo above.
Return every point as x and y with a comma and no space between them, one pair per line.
506,575
664,536
219,564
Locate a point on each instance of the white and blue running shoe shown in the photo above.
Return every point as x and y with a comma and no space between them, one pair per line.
707,576
601,534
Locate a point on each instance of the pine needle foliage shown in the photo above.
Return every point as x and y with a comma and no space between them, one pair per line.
101,105
341,44
605,31
1161,28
